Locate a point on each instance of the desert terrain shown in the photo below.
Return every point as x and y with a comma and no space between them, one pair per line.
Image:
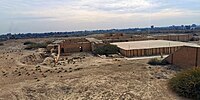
23,76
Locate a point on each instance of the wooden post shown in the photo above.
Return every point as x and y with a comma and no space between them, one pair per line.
161,54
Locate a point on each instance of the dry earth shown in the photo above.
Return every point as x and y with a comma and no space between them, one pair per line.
92,78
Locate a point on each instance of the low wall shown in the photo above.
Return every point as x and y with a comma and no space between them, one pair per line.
182,37
186,57
75,47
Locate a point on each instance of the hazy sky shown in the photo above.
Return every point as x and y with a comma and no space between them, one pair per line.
72,15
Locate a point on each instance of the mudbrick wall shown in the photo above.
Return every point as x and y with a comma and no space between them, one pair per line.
148,52
186,57
182,37
76,45
110,38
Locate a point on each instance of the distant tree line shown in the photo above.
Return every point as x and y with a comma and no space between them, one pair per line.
158,30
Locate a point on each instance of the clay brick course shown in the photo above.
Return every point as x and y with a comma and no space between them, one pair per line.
186,57
75,45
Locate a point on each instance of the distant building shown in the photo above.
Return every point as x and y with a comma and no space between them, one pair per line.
183,27
188,27
173,27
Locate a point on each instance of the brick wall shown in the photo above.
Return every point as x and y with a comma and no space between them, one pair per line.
186,57
73,45
148,52
182,37
110,38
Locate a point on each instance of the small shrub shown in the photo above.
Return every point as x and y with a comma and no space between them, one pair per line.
157,61
195,38
107,49
36,46
187,83
48,42
28,43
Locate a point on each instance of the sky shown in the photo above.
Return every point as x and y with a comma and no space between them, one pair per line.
21,16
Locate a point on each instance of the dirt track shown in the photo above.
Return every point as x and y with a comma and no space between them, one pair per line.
93,78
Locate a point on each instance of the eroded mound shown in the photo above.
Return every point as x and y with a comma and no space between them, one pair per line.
48,61
33,59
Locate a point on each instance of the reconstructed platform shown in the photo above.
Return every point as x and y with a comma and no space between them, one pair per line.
150,47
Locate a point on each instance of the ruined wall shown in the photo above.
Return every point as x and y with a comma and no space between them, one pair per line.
186,57
73,45
49,47
75,40
110,38
178,37
126,39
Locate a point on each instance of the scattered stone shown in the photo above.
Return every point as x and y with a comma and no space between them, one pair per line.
59,71
32,59
77,69
160,76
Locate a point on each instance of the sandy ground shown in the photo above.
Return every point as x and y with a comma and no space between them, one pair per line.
92,78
